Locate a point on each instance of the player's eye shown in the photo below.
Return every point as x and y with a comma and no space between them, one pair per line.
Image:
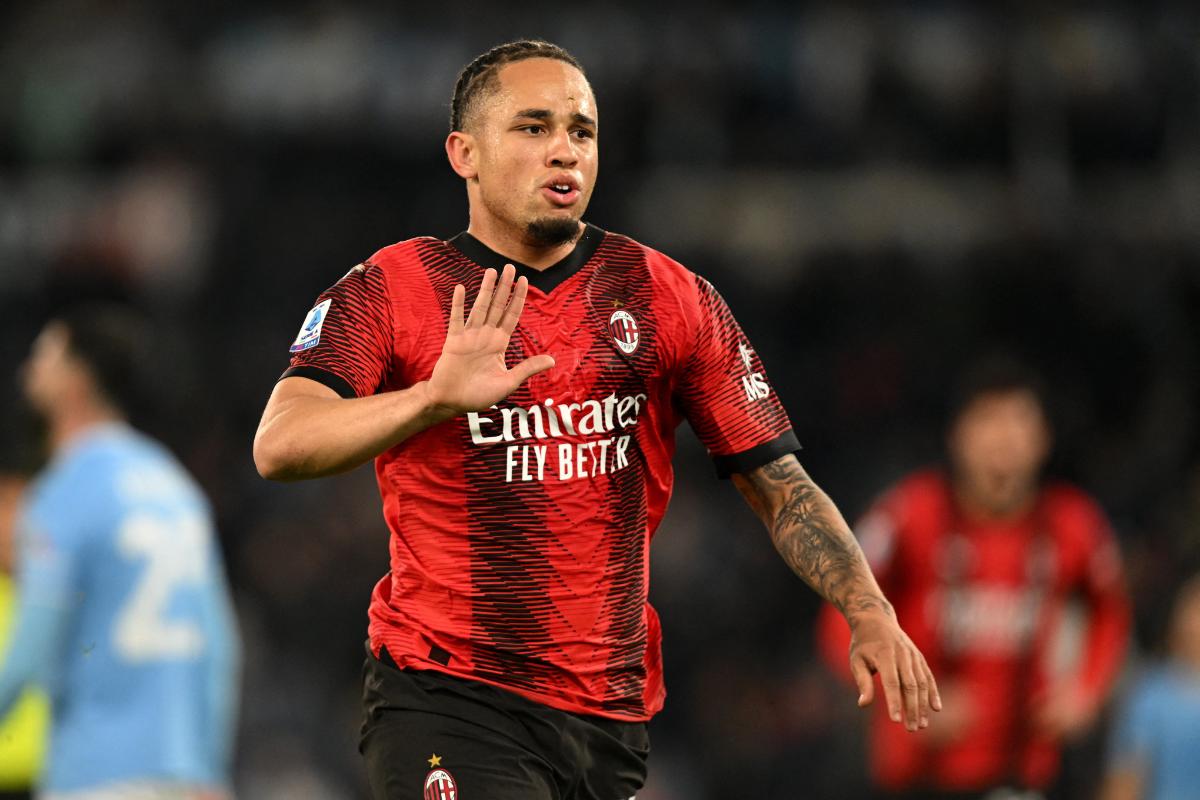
533,129
583,133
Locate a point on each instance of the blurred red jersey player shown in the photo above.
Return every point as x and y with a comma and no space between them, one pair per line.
980,562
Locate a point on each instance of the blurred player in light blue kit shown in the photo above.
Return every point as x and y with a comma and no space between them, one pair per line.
123,611
1155,749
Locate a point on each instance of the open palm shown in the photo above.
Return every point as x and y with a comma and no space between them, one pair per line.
471,375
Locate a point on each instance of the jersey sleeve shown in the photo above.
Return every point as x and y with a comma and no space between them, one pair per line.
50,543
1110,619
346,339
724,392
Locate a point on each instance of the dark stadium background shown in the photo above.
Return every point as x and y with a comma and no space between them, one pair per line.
881,195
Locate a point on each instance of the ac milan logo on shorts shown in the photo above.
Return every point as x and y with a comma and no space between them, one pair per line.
440,785
624,329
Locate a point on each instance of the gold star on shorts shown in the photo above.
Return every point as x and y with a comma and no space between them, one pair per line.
434,760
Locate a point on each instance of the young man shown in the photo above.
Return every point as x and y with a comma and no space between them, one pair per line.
524,469
123,611
981,561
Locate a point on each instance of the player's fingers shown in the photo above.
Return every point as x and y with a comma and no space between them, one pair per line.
530,367
866,683
909,690
513,314
921,675
935,699
890,678
482,300
456,308
500,300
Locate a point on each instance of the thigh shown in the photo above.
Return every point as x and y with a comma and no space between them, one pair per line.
426,737
421,755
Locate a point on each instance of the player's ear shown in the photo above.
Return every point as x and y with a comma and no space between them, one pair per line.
461,150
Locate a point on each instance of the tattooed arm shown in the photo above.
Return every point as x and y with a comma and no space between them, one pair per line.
815,541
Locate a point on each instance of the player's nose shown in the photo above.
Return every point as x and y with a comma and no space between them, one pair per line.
560,150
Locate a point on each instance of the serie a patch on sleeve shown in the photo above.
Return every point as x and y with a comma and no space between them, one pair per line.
310,332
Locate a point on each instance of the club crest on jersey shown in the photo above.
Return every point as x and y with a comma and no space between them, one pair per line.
624,330
310,331
440,785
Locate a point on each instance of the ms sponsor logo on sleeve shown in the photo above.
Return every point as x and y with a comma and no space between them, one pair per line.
439,783
754,384
310,332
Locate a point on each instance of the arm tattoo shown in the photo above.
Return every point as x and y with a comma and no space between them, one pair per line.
810,534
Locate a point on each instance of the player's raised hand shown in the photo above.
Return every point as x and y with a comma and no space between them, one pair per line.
471,375
879,646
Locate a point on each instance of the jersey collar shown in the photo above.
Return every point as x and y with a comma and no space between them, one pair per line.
544,279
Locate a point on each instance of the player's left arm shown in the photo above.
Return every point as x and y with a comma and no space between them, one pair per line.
815,541
43,582
1071,707
38,629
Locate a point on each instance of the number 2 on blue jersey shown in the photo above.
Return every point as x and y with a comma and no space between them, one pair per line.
172,547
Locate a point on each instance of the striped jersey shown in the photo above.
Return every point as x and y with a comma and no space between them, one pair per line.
520,533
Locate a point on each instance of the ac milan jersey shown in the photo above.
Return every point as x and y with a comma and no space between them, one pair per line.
520,533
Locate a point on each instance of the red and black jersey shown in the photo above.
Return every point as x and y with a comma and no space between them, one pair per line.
985,601
520,534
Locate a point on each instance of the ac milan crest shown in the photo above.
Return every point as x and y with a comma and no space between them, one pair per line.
624,330
440,785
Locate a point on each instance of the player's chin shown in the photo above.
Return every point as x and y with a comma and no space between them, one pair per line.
550,230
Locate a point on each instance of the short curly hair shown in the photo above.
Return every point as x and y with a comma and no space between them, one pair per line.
478,77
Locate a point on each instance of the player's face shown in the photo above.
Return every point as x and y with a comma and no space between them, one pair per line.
537,151
999,444
51,373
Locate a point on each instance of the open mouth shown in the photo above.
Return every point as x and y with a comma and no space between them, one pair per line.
561,194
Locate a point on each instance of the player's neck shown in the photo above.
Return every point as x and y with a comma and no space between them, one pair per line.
70,425
514,245
984,505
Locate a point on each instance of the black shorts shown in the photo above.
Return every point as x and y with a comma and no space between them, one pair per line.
431,736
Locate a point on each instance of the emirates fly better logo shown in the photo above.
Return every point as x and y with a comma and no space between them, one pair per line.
624,330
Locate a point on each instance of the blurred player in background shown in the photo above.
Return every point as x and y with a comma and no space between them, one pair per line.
123,611
524,469
23,732
1155,748
981,561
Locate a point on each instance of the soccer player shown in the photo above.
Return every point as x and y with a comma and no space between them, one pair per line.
981,561
123,611
522,444
1157,734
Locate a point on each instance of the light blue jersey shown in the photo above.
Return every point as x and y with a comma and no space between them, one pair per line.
1158,732
124,615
